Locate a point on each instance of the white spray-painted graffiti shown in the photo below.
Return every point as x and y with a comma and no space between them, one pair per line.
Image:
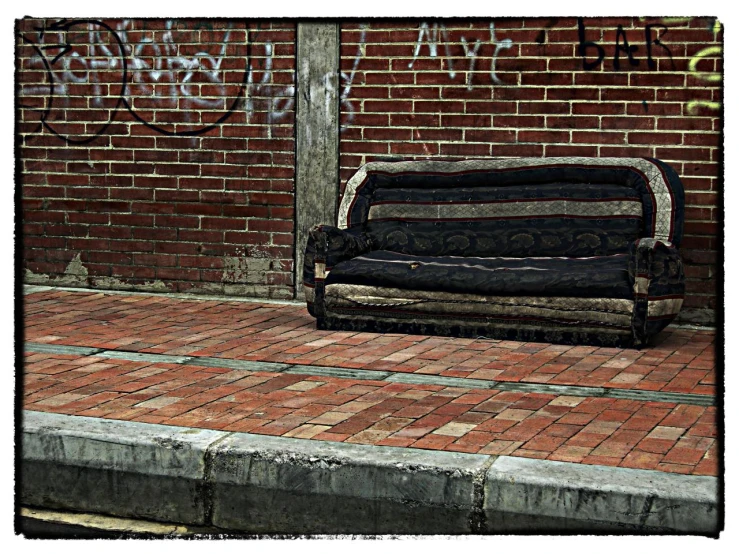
502,45
429,36
159,74
346,104
167,64
154,73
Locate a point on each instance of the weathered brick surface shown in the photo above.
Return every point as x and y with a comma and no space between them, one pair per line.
522,87
179,181
644,434
177,171
681,361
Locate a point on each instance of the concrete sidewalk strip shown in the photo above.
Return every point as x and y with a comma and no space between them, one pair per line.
340,372
662,396
32,289
568,390
47,348
254,483
143,357
243,365
603,392
375,375
462,382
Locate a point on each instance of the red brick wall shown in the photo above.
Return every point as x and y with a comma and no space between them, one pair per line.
182,181
430,89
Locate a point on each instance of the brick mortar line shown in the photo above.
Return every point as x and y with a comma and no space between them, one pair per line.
393,377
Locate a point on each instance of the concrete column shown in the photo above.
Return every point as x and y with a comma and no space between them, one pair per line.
317,134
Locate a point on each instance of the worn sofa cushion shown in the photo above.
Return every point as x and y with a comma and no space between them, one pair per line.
443,310
557,219
593,277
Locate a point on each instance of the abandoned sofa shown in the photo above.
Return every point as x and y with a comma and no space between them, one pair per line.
565,250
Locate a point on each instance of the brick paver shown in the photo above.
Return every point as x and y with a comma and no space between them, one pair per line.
671,437
682,361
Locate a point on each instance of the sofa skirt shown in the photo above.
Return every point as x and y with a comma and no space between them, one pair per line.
564,320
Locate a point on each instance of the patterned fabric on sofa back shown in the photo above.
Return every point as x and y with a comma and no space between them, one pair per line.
573,207
558,219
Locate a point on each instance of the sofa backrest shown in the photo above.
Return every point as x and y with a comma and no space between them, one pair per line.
524,207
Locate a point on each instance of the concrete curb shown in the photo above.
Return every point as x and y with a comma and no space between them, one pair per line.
260,484
602,498
114,467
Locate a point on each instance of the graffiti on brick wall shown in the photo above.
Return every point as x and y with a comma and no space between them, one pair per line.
653,33
122,67
348,78
67,70
430,36
709,77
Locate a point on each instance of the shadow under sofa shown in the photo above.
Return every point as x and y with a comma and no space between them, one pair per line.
563,250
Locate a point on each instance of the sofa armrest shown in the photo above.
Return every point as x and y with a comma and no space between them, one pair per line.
326,247
656,273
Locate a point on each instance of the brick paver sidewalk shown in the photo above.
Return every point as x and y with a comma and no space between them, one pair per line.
186,362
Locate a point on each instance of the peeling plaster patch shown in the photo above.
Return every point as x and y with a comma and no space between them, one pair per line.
75,274
115,283
257,291
246,270
207,288
32,278
76,268
261,291
696,316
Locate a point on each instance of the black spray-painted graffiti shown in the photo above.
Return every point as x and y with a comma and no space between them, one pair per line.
116,73
652,36
61,49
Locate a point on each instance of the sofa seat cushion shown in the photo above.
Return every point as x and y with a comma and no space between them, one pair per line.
443,310
593,277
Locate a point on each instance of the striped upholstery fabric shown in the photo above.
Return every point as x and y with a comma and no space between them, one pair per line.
546,220
573,250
